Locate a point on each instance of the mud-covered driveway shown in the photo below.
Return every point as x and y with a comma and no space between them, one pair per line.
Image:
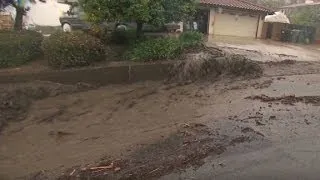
266,50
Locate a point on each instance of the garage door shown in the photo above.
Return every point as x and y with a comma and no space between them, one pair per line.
232,25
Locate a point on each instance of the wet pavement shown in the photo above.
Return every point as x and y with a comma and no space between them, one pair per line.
265,50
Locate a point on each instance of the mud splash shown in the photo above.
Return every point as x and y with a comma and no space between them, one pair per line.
206,66
288,100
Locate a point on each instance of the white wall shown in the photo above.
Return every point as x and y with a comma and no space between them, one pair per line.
44,14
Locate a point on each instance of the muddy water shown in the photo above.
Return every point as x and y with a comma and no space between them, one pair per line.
290,133
116,122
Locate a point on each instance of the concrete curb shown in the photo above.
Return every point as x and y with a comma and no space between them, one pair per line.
94,75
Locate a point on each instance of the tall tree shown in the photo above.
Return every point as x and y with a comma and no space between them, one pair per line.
309,16
21,9
154,12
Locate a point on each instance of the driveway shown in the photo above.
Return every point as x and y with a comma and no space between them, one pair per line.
265,50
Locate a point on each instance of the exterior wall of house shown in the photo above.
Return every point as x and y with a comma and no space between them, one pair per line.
234,23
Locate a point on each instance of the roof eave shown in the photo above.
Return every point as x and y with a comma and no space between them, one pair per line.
217,5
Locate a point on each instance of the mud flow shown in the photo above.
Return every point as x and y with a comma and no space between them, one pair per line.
198,123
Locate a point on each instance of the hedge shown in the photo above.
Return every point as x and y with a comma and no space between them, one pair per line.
63,50
17,48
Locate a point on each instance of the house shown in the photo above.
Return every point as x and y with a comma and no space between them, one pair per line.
232,18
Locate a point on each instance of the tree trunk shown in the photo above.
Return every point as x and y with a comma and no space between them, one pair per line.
139,29
19,19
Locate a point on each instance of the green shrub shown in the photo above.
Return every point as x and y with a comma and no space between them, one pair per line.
72,49
17,48
155,49
191,39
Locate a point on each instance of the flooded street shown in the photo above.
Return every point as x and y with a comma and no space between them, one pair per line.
220,128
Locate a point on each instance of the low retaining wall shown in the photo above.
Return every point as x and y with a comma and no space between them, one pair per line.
94,75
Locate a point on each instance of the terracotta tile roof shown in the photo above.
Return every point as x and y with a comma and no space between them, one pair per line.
242,4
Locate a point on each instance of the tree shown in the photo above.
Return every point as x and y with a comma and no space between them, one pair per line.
21,10
274,4
154,12
309,16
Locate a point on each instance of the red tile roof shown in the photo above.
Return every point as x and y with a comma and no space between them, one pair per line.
242,4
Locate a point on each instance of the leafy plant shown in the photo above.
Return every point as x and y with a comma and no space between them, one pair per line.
164,48
308,16
73,49
17,48
191,39
156,49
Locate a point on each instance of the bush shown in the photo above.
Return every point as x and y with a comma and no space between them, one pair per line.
156,49
191,39
72,49
17,48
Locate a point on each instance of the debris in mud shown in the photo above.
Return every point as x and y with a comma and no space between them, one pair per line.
307,122
240,139
259,123
272,117
250,130
288,100
188,147
281,78
284,62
